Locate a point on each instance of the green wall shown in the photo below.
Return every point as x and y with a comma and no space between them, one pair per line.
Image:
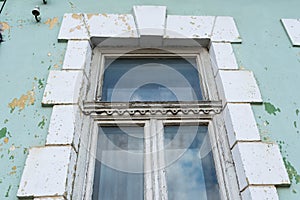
31,50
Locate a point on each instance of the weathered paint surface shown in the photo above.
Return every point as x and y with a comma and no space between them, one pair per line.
31,49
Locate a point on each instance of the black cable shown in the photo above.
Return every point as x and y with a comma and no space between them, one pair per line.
2,6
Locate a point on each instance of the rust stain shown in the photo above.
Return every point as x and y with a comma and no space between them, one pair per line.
5,26
52,22
25,99
123,18
73,29
14,170
56,66
6,140
76,16
91,15
12,173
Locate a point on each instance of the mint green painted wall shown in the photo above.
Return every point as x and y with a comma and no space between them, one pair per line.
31,49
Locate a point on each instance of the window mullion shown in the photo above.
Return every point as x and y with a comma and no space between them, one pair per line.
148,190
161,160
154,162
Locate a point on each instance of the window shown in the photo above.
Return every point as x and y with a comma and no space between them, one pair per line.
153,113
151,79
173,163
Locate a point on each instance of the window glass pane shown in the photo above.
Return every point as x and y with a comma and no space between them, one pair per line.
191,170
151,79
119,164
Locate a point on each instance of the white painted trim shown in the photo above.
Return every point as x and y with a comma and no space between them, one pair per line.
260,192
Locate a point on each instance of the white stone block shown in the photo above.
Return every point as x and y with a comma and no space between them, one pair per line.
225,30
83,156
179,26
240,123
259,163
292,27
73,27
222,57
237,87
63,128
78,56
111,25
49,172
150,20
49,198
260,193
62,87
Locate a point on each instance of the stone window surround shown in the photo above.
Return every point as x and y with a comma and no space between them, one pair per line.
258,165
292,28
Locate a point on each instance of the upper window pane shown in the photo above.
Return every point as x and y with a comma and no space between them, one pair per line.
151,79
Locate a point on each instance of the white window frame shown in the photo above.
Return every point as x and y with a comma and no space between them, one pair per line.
226,175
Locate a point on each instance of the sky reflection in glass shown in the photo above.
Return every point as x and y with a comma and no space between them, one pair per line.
193,175
151,79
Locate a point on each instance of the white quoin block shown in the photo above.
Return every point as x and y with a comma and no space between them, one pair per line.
78,56
260,193
63,129
292,27
111,25
49,198
259,163
73,27
222,57
62,87
237,87
49,172
189,26
240,123
225,30
150,20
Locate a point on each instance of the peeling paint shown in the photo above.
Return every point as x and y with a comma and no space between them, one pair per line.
26,99
42,123
292,172
76,16
89,16
271,109
52,22
6,140
41,83
78,27
5,26
56,66
3,132
7,192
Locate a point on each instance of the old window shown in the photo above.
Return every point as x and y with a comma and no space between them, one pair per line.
170,162
151,79
153,114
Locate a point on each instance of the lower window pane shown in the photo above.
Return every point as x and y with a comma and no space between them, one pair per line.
191,170
119,164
